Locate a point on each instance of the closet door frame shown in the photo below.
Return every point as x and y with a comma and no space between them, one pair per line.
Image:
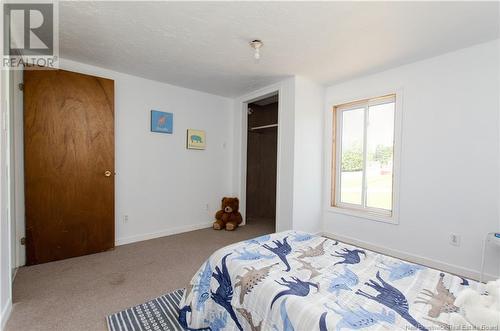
284,162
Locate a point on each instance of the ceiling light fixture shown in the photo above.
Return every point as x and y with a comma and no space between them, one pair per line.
256,45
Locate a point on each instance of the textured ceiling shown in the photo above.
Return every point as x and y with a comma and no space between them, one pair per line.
204,45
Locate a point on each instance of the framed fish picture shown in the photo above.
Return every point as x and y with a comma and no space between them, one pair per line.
162,122
196,139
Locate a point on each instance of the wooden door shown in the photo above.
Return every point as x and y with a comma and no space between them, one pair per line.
69,164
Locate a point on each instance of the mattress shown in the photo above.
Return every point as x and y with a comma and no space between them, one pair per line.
299,281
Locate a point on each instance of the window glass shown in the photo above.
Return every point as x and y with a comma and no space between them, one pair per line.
351,181
380,156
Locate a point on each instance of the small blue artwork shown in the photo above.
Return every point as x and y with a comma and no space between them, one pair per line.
162,122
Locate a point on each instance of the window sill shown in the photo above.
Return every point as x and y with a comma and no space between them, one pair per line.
364,215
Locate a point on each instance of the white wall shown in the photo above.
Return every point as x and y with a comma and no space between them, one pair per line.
308,155
163,187
286,141
449,160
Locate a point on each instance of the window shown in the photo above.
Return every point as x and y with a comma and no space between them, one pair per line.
363,155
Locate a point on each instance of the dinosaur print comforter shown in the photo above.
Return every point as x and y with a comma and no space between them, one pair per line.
298,281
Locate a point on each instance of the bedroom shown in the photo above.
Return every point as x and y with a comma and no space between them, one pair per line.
386,138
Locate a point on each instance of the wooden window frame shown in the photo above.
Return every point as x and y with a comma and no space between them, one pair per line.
363,211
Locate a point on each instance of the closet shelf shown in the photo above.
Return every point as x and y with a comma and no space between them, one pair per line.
264,127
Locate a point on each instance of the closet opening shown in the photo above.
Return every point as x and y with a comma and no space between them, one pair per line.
262,149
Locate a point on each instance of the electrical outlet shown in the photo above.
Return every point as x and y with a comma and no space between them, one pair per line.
454,239
207,207
125,218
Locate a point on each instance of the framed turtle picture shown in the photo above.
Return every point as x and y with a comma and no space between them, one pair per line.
196,139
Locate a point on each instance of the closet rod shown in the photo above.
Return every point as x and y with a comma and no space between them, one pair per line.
264,127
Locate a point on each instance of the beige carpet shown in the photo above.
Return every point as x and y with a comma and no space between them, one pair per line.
78,293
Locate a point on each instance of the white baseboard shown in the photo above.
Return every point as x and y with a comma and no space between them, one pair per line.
5,314
163,233
435,264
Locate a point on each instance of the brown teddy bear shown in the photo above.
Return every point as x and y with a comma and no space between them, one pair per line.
229,217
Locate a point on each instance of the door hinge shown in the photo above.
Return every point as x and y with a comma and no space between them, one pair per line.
23,241
21,86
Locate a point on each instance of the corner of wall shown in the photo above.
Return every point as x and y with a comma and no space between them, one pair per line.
5,222
308,154
5,314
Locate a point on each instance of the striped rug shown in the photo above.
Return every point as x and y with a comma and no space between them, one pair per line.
159,314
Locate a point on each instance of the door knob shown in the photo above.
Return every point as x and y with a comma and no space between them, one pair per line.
107,173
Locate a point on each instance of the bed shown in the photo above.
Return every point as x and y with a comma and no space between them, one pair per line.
298,281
